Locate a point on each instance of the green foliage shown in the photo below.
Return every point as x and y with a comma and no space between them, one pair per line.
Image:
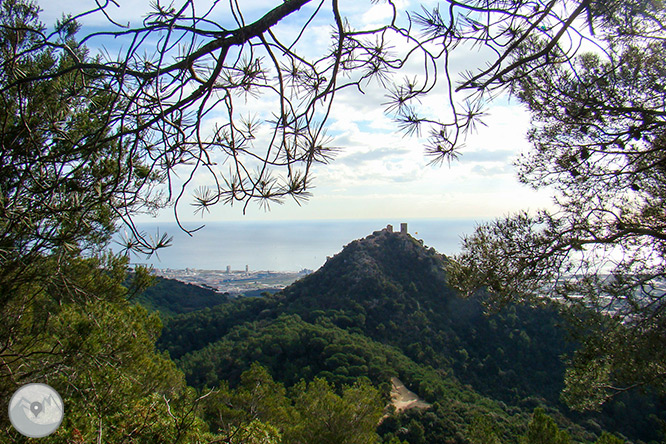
607,438
598,140
260,410
542,429
328,418
65,178
193,331
65,183
170,297
257,398
293,350
255,432
98,351
456,419
415,433
482,431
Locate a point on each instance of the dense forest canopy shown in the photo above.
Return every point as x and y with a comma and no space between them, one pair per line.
381,309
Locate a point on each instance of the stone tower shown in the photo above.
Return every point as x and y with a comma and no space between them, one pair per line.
403,228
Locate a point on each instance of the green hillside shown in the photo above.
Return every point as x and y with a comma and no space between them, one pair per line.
382,308
171,297
293,350
394,290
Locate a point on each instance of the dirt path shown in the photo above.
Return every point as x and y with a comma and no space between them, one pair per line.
404,399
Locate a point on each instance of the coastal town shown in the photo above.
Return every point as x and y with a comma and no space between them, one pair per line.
235,282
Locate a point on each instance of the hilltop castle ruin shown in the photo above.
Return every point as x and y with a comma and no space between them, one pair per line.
403,228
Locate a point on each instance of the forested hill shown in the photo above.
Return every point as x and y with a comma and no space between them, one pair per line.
382,307
378,276
391,288
171,297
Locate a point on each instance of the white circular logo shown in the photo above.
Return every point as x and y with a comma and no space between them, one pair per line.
36,410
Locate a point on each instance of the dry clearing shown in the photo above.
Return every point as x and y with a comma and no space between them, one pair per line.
404,399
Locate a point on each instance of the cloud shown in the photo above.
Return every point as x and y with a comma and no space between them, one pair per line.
359,157
360,178
493,170
503,156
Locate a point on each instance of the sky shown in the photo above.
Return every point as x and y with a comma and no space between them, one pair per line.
378,172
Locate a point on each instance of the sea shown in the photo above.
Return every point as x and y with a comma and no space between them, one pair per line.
286,246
